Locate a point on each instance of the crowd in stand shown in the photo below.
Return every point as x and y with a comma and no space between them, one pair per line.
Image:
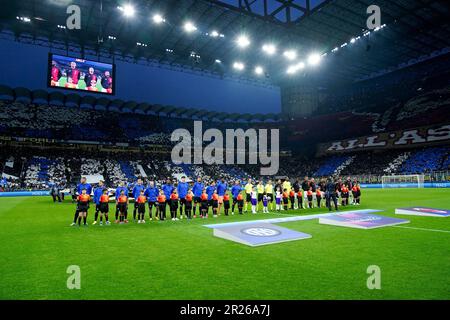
40,169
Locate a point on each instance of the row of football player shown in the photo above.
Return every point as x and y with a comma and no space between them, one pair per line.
189,202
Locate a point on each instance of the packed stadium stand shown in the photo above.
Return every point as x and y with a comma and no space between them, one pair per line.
427,160
123,140
41,172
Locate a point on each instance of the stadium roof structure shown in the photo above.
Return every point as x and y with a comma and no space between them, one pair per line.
415,30
56,98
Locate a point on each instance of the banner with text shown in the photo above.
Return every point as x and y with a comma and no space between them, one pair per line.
403,138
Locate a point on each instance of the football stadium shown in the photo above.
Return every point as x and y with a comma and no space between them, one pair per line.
225,150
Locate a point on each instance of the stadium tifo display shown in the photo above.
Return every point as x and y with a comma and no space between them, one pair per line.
422,211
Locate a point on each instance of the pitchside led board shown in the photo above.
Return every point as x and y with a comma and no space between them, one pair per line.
80,74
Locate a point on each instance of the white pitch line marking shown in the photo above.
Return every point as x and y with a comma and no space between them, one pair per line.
423,229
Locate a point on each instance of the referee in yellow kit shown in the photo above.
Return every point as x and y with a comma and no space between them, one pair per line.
248,190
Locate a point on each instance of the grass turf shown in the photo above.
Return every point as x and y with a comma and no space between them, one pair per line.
183,260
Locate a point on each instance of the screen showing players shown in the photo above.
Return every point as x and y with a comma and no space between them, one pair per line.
79,74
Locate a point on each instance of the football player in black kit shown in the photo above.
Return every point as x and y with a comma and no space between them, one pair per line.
330,194
305,188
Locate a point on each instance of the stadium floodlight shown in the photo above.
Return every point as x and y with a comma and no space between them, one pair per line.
290,54
218,61
353,40
243,41
158,19
259,70
291,70
238,66
269,49
128,10
314,59
214,34
295,68
24,19
189,27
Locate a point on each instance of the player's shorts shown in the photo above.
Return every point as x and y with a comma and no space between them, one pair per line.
104,207
220,199
260,197
122,207
270,196
248,197
240,203
305,194
226,204
141,207
210,202
215,203
161,205
173,205
204,204
285,200
183,201
310,198
83,207
188,205
151,204
136,205
197,200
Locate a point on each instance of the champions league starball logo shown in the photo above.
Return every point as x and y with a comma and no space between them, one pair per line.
261,232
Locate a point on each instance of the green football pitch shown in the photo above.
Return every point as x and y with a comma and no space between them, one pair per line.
183,260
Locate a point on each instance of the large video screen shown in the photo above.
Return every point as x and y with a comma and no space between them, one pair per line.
79,74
